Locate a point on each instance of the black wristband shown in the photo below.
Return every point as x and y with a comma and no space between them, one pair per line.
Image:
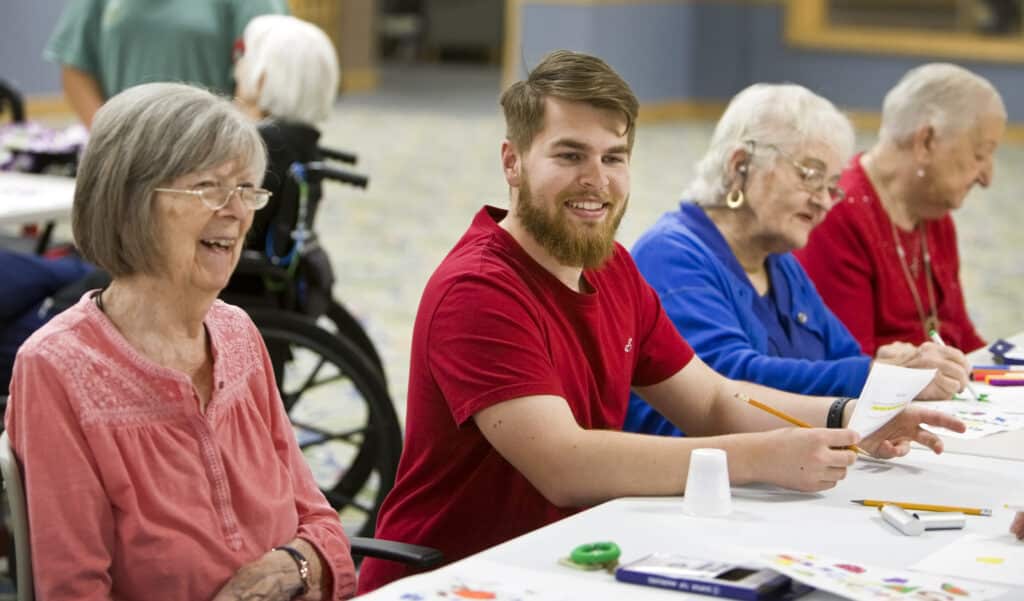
835,412
301,564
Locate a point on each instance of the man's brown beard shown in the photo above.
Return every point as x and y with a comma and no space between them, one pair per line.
570,244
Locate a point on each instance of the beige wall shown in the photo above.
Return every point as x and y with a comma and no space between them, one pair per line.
352,26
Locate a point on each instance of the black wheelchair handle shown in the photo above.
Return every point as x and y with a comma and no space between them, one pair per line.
338,155
325,171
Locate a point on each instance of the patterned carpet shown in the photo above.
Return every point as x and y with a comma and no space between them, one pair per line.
429,140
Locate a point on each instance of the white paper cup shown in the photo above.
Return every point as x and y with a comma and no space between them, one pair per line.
707,485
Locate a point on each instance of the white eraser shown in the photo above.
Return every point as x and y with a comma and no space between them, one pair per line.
942,520
902,520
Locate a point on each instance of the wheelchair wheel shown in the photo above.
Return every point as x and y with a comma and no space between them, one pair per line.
343,416
348,326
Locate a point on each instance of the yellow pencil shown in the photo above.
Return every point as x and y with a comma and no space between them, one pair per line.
789,418
924,506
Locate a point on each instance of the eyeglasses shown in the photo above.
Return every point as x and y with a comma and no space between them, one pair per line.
218,198
812,176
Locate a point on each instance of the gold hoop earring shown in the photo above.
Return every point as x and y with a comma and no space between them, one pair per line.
735,199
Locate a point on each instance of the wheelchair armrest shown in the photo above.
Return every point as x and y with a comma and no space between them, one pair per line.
338,155
411,555
325,171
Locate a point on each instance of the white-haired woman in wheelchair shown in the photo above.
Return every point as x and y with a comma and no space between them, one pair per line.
158,459
287,78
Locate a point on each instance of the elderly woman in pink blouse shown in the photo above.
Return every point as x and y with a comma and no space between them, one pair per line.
158,459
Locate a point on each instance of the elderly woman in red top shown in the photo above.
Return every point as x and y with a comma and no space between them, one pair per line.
886,260
158,459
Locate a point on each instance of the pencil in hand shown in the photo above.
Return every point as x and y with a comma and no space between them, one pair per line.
789,418
934,335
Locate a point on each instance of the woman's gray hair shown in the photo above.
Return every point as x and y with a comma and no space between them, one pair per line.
947,97
141,139
292,64
787,116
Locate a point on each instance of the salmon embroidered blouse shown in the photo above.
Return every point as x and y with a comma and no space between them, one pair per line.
133,493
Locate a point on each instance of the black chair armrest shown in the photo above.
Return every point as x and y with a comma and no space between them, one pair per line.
411,555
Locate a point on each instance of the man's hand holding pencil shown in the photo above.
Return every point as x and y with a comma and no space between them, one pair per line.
807,459
823,455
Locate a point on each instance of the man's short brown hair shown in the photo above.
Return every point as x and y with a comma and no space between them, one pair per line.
570,76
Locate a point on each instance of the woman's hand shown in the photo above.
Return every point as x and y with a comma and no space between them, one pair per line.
952,365
273,577
894,438
806,459
896,353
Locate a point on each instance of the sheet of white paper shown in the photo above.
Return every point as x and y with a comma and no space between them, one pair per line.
861,582
989,558
476,578
887,392
1008,398
981,418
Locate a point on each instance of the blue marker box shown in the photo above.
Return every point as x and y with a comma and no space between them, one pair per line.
710,577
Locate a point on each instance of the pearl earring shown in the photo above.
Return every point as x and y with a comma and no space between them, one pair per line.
920,172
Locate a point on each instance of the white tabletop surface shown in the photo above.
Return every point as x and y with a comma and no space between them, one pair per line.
28,198
763,517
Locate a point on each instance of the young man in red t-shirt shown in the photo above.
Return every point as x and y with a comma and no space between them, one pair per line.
535,327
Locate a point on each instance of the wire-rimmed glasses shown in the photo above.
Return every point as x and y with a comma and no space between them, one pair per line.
812,173
216,198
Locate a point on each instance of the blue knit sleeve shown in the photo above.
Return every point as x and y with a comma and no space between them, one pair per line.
713,310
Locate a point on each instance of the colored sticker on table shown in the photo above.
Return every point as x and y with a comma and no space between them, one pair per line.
954,589
466,593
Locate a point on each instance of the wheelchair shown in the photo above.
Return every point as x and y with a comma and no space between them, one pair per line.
330,375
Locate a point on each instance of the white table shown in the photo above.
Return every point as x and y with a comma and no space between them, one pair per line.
1005,445
764,517
29,198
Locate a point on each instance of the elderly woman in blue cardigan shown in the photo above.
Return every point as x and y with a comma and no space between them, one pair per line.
722,266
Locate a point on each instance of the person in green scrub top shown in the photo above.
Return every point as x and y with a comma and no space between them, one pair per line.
106,46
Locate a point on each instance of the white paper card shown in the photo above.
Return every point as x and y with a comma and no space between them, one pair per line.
981,418
888,391
862,582
476,578
989,558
